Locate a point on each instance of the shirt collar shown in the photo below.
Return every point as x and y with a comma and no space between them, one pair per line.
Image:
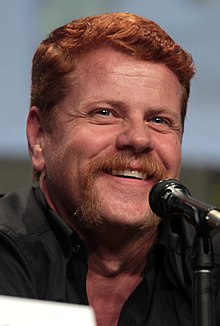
162,251
69,240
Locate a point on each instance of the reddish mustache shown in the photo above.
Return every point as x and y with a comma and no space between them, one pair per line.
122,161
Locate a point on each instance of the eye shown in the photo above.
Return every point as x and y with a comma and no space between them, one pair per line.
105,116
104,113
159,120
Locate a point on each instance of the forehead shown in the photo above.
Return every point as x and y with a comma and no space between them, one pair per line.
107,62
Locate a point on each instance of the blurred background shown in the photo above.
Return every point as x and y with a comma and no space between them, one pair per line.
194,24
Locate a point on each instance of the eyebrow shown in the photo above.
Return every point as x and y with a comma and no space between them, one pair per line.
161,110
113,103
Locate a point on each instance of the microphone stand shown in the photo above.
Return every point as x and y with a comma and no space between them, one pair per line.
203,265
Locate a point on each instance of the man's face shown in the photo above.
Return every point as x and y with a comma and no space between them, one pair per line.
118,132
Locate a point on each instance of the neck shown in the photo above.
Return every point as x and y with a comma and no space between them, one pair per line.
115,251
116,265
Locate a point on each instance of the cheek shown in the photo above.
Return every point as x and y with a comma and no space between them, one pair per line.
69,157
89,143
169,151
175,160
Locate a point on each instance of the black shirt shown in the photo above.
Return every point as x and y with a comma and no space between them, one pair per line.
42,258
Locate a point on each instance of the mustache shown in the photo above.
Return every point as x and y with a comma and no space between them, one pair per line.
122,161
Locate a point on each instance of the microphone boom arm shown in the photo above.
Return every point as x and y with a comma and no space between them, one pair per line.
168,199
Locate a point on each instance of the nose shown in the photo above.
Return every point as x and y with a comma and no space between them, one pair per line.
136,137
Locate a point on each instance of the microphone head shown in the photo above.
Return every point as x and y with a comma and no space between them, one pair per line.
160,193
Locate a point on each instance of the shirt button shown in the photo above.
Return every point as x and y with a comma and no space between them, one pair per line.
76,248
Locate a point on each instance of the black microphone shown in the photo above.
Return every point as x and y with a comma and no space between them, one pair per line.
169,198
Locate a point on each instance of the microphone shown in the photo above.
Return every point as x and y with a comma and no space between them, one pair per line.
169,198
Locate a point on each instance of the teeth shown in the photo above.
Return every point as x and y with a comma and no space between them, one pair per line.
130,174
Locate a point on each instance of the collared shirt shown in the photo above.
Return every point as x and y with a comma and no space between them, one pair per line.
42,258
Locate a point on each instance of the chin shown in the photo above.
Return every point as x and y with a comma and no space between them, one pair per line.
129,220
95,213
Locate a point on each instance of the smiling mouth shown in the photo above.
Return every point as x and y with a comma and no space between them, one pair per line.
130,174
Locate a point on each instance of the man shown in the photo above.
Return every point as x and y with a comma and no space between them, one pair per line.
108,103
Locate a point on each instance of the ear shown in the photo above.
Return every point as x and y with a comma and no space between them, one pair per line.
35,136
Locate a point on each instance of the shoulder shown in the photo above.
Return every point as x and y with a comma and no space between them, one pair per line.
20,211
29,247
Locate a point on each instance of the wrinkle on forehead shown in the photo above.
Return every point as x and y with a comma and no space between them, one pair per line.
99,62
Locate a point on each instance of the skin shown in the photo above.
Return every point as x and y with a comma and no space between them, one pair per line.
116,104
